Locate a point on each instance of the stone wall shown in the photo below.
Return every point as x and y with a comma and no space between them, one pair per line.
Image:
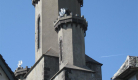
72,74
38,14
97,69
60,76
79,75
73,48
45,69
51,67
37,72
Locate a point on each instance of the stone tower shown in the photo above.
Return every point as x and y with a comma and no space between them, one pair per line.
71,29
47,11
59,43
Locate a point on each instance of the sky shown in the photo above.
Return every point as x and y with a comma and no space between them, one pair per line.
112,32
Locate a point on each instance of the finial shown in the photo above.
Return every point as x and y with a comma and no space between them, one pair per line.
20,63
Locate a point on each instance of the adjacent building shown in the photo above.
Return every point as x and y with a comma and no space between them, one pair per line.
5,71
128,71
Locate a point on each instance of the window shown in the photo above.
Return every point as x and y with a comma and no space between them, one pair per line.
60,46
38,33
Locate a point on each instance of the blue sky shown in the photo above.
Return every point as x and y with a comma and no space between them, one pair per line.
112,32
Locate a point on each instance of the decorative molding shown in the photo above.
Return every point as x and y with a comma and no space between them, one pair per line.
36,1
69,19
21,71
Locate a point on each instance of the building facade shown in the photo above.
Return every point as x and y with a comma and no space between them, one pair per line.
128,71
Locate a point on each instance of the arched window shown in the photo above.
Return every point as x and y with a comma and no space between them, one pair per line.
38,32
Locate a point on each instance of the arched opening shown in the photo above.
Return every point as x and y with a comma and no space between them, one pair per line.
38,33
60,46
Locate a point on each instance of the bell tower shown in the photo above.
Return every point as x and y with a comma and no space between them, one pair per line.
71,30
47,11
60,44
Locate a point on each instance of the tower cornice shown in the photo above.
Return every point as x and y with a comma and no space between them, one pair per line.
72,19
36,1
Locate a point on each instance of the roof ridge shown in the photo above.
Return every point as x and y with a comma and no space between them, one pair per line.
9,69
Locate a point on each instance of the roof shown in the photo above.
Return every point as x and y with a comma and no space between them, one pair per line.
89,59
51,52
73,67
129,66
77,68
7,67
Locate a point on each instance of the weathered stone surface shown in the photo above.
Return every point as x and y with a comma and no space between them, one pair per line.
129,67
37,72
71,19
71,29
73,44
44,68
72,74
48,11
51,67
97,69
80,75
60,76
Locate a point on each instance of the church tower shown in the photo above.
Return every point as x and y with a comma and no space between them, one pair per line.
46,12
59,43
71,32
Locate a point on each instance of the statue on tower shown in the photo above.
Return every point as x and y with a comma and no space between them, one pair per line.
19,63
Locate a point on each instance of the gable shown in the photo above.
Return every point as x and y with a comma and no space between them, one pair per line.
6,70
3,76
